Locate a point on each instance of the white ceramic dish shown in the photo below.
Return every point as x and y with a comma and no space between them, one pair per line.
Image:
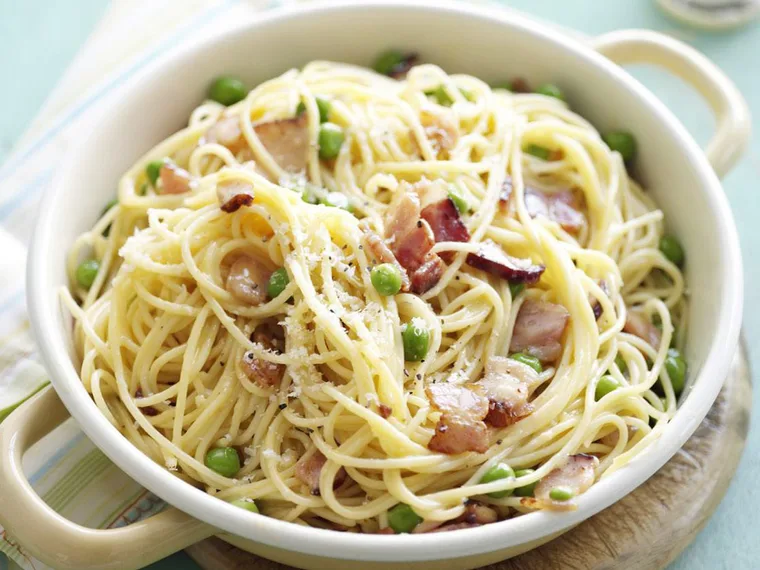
483,42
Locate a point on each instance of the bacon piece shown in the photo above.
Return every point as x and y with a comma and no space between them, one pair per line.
387,530
146,410
441,131
408,61
427,275
233,195
174,180
460,427
454,526
226,131
309,467
287,140
638,324
264,373
411,239
247,280
381,253
507,385
456,434
492,259
384,411
477,513
578,474
457,399
443,218
561,207
596,306
520,85
538,329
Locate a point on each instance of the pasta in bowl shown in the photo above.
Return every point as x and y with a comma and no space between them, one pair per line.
383,301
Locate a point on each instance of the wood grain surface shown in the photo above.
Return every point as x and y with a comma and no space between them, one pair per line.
645,530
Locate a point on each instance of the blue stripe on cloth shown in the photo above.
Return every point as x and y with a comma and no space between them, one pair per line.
43,139
56,458
27,191
12,300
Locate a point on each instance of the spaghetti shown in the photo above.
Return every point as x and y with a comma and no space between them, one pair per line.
411,304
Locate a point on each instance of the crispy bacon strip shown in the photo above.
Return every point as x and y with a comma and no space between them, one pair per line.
233,195
287,140
461,427
578,474
446,224
539,328
561,207
507,384
264,373
174,180
492,259
247,280
638,324
309,468
410,240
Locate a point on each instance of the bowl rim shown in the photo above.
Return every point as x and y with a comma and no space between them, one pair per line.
43,306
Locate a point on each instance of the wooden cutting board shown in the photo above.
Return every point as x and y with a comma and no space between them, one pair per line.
645,530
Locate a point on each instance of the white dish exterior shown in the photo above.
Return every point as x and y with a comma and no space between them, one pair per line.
488,44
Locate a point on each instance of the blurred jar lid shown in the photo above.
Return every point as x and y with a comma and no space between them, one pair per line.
712,14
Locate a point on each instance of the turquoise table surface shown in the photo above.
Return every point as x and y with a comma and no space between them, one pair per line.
38,39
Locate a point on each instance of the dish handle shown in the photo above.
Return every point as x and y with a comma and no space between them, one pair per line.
733,122
59,542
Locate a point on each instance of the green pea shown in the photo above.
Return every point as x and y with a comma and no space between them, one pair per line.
675,365
440,95
87,272
387,61
330,140
467,94
278,281
671,249
402,518
525,490
561,493
322,104
153,171
456,196
227,90
386,279
605,385
515,289
416,340
531,361
622,142
620,362
538,151
111,204
497,473
247,504
223,460
550,90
